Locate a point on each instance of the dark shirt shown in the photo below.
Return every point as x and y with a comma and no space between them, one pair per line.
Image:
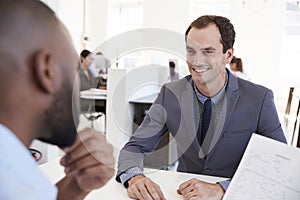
85,83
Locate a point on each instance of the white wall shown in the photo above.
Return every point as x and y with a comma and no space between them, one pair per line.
71,14
259,27
117,125
166,14
96,22
123,84
258,24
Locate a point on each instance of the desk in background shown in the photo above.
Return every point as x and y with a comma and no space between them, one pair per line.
167,154
168,181
93,103
141,107
94,100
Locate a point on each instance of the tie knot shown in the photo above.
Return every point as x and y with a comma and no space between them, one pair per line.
207,104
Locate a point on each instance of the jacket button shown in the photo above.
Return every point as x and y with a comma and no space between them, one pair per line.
207,170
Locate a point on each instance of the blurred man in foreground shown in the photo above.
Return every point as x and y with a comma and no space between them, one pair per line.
37,75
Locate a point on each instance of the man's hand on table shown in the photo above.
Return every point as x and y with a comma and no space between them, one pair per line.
195,189
143,188
89,164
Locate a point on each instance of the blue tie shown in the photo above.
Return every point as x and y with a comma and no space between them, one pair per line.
205,120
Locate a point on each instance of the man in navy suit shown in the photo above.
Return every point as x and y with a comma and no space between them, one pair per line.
235,108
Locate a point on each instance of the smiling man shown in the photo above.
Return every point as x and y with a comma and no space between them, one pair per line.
210,113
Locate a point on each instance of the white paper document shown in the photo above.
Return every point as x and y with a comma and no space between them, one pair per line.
269,170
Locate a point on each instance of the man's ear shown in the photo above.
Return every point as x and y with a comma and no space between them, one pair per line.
44,70
229,55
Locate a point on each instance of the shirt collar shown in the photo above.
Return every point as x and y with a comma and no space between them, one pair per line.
214,99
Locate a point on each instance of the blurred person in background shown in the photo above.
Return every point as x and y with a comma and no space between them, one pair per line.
173,74
236,67
86,75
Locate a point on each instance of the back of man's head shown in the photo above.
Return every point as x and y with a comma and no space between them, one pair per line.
37,74
24,26
24,19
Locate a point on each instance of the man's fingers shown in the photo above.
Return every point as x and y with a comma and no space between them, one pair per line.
85,162
100,171
190,195
154,190
94,177
134,193
84,157
97,148
144,188
145,192
83,136
197,189
183,186
77,153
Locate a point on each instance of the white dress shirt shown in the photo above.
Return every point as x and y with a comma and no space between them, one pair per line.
20,177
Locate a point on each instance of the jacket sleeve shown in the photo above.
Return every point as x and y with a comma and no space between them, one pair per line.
146,137
269,124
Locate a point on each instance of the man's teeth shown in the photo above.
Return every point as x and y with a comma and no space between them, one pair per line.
201,70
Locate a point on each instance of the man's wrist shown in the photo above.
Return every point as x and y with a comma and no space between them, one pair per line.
224,184
129,181
129,173
68,188
220,191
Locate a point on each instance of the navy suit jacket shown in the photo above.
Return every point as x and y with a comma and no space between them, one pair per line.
247,108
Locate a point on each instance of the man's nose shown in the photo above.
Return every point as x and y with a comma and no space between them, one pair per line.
198,58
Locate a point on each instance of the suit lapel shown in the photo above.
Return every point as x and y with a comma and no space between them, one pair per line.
187,126
232,96
228,107
191,116
189,107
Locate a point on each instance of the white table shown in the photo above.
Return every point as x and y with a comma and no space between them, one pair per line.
149,99
93,102
94,97
168,181
94,93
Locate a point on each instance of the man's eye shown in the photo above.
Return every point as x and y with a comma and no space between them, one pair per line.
207,52
190,51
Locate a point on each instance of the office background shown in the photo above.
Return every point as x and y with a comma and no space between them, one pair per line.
267,33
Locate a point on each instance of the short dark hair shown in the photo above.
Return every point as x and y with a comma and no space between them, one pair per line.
171,64
224,25
85,53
